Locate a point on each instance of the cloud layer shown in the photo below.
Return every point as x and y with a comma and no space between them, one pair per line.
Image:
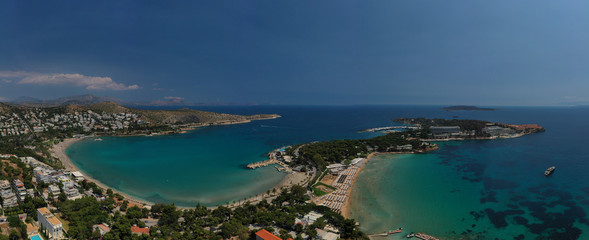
90,82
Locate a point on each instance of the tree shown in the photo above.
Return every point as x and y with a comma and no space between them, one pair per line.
13,235
62,197
169,216
299,228
284,234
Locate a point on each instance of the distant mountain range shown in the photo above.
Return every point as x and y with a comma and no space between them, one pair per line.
89,99
75,100
179,116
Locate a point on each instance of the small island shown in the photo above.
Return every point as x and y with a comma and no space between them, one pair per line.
466,108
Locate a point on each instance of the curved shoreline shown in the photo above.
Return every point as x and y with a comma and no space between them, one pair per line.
58,151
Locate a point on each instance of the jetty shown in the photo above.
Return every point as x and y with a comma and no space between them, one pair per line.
262,163
271,161
422,236
385,234
380,129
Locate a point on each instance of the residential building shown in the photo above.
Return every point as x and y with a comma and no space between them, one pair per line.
139,231
265,235
103,228
7,195
78,176
52,225
54,189
325,235
71,191
19,189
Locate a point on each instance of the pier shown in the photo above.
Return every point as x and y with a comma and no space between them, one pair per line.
271,161
422,236
380,129
262,163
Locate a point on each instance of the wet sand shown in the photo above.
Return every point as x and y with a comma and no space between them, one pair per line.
58,150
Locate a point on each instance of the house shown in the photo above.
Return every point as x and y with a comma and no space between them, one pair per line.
32,229
140,231
265,235
311,217
325,235
43,174
54,189
52,225
71,191
102,228
78,176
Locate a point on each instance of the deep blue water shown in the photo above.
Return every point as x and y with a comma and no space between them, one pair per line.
502,190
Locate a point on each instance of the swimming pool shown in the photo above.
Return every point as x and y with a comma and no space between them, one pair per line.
36,237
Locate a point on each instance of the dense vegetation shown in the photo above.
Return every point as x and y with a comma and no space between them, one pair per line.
321,154
201,222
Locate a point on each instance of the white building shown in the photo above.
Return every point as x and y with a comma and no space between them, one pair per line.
78,176
50,223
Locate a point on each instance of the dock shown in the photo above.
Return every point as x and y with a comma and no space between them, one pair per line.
272,161
422,236
378,235
262,163
392,128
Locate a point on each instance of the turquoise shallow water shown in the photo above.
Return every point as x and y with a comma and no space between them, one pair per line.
485,189
466,190
185,169
207,165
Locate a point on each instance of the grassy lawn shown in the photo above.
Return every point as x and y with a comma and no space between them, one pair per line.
319,192
332,187
66,224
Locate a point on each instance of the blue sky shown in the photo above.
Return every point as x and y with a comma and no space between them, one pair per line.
299,52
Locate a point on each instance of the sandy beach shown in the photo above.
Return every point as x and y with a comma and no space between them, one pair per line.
346,206
291,179
58,150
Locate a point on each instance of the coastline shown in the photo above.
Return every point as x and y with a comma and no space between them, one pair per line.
59,151
347,202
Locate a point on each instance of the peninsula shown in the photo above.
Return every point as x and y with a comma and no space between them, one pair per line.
336,164
327,171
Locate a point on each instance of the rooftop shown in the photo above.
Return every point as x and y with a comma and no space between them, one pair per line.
136,229
53,221
44,211
267,235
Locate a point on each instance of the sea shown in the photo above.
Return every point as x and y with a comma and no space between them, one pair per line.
477,189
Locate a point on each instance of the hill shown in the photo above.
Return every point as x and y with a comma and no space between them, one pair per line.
180,116
76,100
